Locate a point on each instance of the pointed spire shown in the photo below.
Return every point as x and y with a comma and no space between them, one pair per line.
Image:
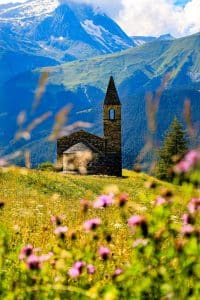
112,97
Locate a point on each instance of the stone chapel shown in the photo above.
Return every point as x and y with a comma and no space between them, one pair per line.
106,151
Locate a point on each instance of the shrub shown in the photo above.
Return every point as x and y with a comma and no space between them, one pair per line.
46,166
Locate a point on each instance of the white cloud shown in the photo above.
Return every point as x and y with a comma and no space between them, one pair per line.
150,17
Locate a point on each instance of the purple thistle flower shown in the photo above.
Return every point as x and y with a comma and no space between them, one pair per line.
117,273
61,230
74,273
79,265
189,161
136,221
185,219
26,251
33,262
104,252
91,269
194,205
91,224
187,229
160,201
104,201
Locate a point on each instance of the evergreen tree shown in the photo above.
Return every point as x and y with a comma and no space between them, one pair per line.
174,144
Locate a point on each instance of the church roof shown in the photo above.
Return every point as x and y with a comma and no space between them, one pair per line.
112,97
80,147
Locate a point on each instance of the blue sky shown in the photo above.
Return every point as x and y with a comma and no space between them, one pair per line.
150,17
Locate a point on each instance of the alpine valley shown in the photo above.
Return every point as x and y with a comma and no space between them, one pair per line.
80,47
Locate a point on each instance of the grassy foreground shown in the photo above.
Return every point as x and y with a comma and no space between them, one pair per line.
31,198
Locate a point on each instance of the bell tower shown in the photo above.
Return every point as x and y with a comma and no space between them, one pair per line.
112,129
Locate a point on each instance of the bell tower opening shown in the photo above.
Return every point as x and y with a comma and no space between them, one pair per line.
112,114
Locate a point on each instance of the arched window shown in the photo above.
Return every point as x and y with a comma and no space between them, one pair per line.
111,114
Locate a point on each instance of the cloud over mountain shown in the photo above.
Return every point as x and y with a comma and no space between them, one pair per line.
149,17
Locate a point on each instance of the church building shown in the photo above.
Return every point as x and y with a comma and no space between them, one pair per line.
106,151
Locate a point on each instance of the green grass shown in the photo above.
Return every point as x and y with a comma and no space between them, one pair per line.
32,197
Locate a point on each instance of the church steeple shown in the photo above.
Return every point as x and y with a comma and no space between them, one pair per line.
112,97
112,129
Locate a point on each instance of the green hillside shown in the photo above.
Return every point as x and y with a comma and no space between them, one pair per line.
153,60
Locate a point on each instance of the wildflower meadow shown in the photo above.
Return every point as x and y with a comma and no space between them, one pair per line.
78,237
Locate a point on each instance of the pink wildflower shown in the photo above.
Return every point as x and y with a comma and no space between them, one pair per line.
104,252
187,229
77,269
33,262
91,224
117,273
73,272
104,201
188,162
26,251
193,157
136,220
91,269
160,201
61,230
194,205
79,265
185,219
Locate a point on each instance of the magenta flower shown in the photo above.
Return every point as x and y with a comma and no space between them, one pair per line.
104,252
104,201
77,269
91,269
61,230
33,262
193,157
26,251
136,220
187,229
79,265
194,205
91,224
189,161
74,273
185,219
160,201
117,273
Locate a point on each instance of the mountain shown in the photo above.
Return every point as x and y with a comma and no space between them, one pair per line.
62,31
83,83
140,40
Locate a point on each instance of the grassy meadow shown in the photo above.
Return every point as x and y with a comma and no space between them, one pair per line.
30,198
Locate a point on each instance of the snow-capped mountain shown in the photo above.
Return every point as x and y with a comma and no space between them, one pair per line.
59,30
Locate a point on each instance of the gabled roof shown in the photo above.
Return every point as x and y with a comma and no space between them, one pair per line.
80,147
112,97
